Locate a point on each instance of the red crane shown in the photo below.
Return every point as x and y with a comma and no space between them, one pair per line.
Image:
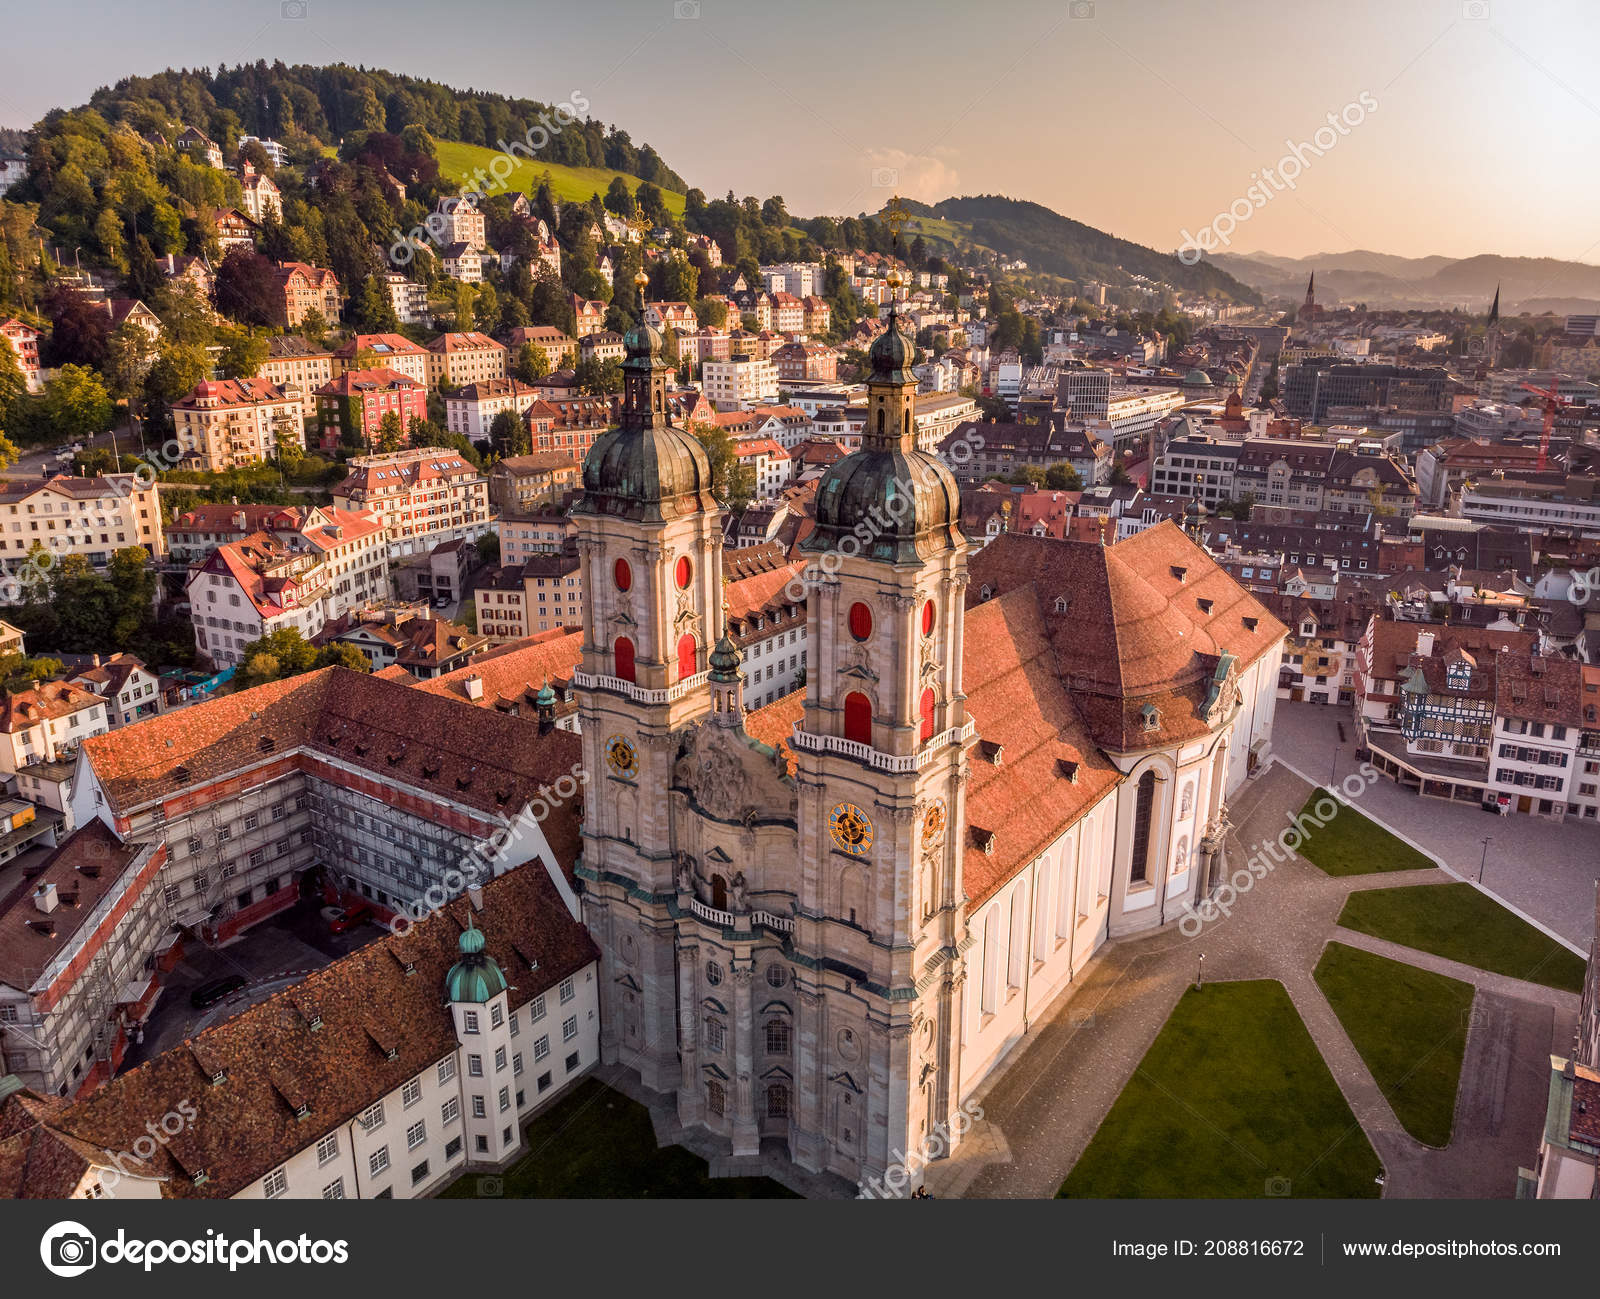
1552,402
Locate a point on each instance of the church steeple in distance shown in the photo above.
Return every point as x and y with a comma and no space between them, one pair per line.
1494,308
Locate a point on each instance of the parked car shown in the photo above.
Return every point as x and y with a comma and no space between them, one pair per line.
344,919
209,994
443,602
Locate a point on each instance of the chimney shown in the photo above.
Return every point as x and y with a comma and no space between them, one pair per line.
44,897
474,685
1425,644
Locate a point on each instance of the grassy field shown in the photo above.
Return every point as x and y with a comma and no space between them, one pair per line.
1352,845
1231,1101
1409,1025
597,1144
1457,922
459,161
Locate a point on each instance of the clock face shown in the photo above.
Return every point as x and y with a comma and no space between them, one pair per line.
851,829
934,824
621,756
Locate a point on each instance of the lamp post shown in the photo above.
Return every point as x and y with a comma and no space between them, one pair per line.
1484,861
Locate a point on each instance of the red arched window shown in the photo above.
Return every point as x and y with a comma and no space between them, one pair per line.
927,618
624,575
686,649
623,652
858,718
927,714
684,571
860,621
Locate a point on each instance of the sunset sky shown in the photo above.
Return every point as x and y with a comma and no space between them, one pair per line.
1140,117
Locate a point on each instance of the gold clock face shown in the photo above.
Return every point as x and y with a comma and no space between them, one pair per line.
934,823
621,757
851,829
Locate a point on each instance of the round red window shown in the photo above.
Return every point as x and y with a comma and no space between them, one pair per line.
860,621
624,575
683,573
927,619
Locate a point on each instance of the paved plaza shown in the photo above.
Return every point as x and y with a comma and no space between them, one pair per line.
1044,1106
1544,869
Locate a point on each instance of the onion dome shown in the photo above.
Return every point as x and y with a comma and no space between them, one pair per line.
477,976
905,501
892,354
645,469
725,660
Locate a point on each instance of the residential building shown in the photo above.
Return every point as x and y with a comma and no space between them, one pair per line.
520,486
47,723
408,298
132,692
461,261
559,348
422,496
262,201
199,148
462,222
306,289
297,366
228,423
424,647
24,341
92,517
522,536
351,407
768,462
739,382
386,351
589,315
457,359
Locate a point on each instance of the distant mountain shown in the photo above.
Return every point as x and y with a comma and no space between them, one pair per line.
1058,245
1532,284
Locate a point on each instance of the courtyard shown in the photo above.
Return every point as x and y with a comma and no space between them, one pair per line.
1440,1058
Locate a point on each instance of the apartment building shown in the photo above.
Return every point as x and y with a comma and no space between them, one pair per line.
132,692
386,1075
460,220
351,406
455,360
246,589
422,496
47,723
570,424
768,462
740,382
552,584
559,348
525,535
523,485
304,289
24,341
1546,758
92,517
383,351
229,423
298,367
261,198
470,410
1572,505
408,298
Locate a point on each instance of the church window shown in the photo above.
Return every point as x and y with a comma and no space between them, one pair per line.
716,1098
926,709
623,652
880,419
683,572
927,618
777,1033
777,1101
1143,812
858,717
716,1036
686,656
623,575
860,621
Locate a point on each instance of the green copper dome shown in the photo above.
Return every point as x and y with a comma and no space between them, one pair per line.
546,698
725,660
906,501
892,354
476,977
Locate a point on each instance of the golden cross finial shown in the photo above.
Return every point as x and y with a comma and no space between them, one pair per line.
896,215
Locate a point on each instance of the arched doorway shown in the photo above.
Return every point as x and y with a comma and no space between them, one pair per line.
622,651
686,656
719,893
858,717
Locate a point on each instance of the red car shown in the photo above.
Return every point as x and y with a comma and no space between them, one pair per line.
347,918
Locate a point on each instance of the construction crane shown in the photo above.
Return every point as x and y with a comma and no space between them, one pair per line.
1552,402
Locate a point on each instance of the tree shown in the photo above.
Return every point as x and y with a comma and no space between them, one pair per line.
1119,475
489,548
651,203
732,482
129,355
390,432
619,198
509,436
247,288
145,280
244,351
1063,478
76,405
291,449
79,329
463,313
342,654
533,363
374,309
281,653
597,377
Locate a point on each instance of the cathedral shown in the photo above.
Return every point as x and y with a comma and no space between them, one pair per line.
825,922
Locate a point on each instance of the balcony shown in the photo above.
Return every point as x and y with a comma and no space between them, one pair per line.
900,763
636,692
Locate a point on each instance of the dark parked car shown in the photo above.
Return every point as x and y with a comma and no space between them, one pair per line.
209,994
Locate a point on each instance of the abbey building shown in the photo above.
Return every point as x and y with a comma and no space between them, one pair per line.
824,922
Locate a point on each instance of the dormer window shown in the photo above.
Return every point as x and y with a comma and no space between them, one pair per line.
220,1077
1150,716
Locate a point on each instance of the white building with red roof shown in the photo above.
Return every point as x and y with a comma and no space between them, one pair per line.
24,341
457,359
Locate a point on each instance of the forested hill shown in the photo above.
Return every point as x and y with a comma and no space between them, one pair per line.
307,107
1058,245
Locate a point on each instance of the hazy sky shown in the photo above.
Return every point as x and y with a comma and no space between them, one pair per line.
1141,117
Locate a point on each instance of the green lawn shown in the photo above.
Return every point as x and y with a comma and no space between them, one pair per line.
597,1144
1350,844
459,161
1409,1025
1458,922
1231,1101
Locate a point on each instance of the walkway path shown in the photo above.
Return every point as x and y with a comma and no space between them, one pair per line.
1041,1111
